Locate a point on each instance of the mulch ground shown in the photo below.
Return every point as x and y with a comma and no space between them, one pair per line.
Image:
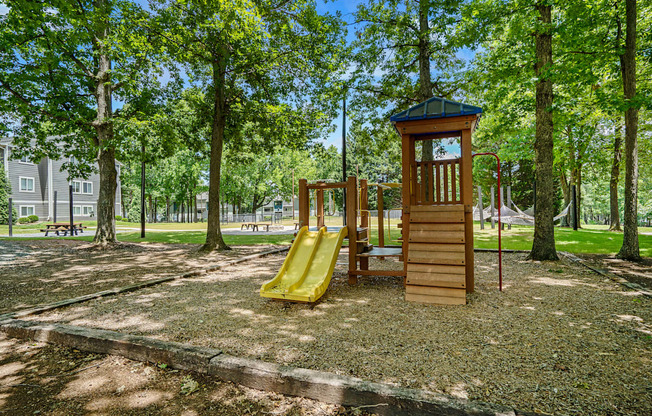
559,339
39,271
635,272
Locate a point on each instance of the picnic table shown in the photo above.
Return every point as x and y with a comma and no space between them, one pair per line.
254,226
63,227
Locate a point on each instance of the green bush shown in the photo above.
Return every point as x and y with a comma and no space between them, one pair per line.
23,220
32,218
118,218
5,191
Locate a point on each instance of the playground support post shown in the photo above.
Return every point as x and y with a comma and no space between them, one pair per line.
11,219
480,207
351,211
500,252
364,218
381,217
304,206
319,202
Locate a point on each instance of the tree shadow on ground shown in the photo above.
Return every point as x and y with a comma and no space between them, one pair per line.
42,379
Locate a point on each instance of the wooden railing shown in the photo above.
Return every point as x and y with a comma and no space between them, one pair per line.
437,182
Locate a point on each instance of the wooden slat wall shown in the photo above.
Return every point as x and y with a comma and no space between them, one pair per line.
437,182
436,258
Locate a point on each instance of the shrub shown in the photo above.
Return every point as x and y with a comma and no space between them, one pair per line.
23,220
118,218
33,218
5,191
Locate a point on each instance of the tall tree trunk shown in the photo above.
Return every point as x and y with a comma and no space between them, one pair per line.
614,219
105,233
214,237
167,209
630,249
543,245
425,78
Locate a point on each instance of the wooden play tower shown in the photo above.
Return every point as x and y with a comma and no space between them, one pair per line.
437,202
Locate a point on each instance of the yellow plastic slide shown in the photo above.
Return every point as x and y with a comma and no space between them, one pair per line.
308,267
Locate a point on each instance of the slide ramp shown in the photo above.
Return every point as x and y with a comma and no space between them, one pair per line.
308,267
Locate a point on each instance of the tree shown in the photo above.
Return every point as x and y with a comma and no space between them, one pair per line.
258,57
5,191
61,65
629,249
543,244
405,53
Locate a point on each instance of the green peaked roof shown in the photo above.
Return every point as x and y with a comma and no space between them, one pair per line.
435,107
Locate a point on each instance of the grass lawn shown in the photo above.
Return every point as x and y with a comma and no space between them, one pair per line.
590,239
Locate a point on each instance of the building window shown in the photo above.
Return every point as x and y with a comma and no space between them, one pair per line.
26,210
26,184
25,159
85,187
83,210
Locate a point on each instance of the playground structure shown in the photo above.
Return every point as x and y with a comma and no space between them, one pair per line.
437,220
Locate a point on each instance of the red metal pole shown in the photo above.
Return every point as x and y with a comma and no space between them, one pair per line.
500,253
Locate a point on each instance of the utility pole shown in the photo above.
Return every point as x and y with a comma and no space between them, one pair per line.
292,194
72,223
344,159
142,192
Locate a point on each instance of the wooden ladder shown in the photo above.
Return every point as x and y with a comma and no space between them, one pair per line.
436,269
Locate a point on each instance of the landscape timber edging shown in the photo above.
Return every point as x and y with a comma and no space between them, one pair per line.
622,281
380,398
136,286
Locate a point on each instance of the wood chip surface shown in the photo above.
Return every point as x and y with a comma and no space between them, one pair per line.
559,339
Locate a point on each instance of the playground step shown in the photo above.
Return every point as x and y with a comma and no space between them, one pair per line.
438,295
383,252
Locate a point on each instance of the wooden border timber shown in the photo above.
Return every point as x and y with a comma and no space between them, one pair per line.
384,399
